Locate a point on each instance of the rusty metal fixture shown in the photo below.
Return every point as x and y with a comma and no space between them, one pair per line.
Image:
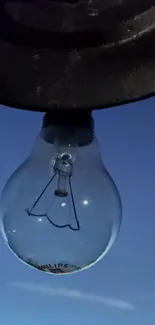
76,54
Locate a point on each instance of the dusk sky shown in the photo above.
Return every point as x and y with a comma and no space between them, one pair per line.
120,289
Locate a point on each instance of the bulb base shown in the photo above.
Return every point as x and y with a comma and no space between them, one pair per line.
69,118
74,126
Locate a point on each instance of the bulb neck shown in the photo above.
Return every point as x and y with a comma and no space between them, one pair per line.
77,125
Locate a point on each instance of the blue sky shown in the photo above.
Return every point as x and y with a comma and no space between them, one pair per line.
119,290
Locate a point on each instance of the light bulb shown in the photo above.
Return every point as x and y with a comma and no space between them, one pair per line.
61,210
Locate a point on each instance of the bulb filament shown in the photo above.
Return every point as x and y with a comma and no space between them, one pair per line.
62,169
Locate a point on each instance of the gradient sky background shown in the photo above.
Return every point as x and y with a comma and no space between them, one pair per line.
119,290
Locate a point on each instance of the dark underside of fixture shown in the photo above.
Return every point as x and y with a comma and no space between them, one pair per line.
76,54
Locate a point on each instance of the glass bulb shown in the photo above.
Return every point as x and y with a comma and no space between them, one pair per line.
61,209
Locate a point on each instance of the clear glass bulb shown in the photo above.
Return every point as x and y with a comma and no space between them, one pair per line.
61,209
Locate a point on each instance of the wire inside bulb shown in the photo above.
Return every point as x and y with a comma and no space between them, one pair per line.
62,169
